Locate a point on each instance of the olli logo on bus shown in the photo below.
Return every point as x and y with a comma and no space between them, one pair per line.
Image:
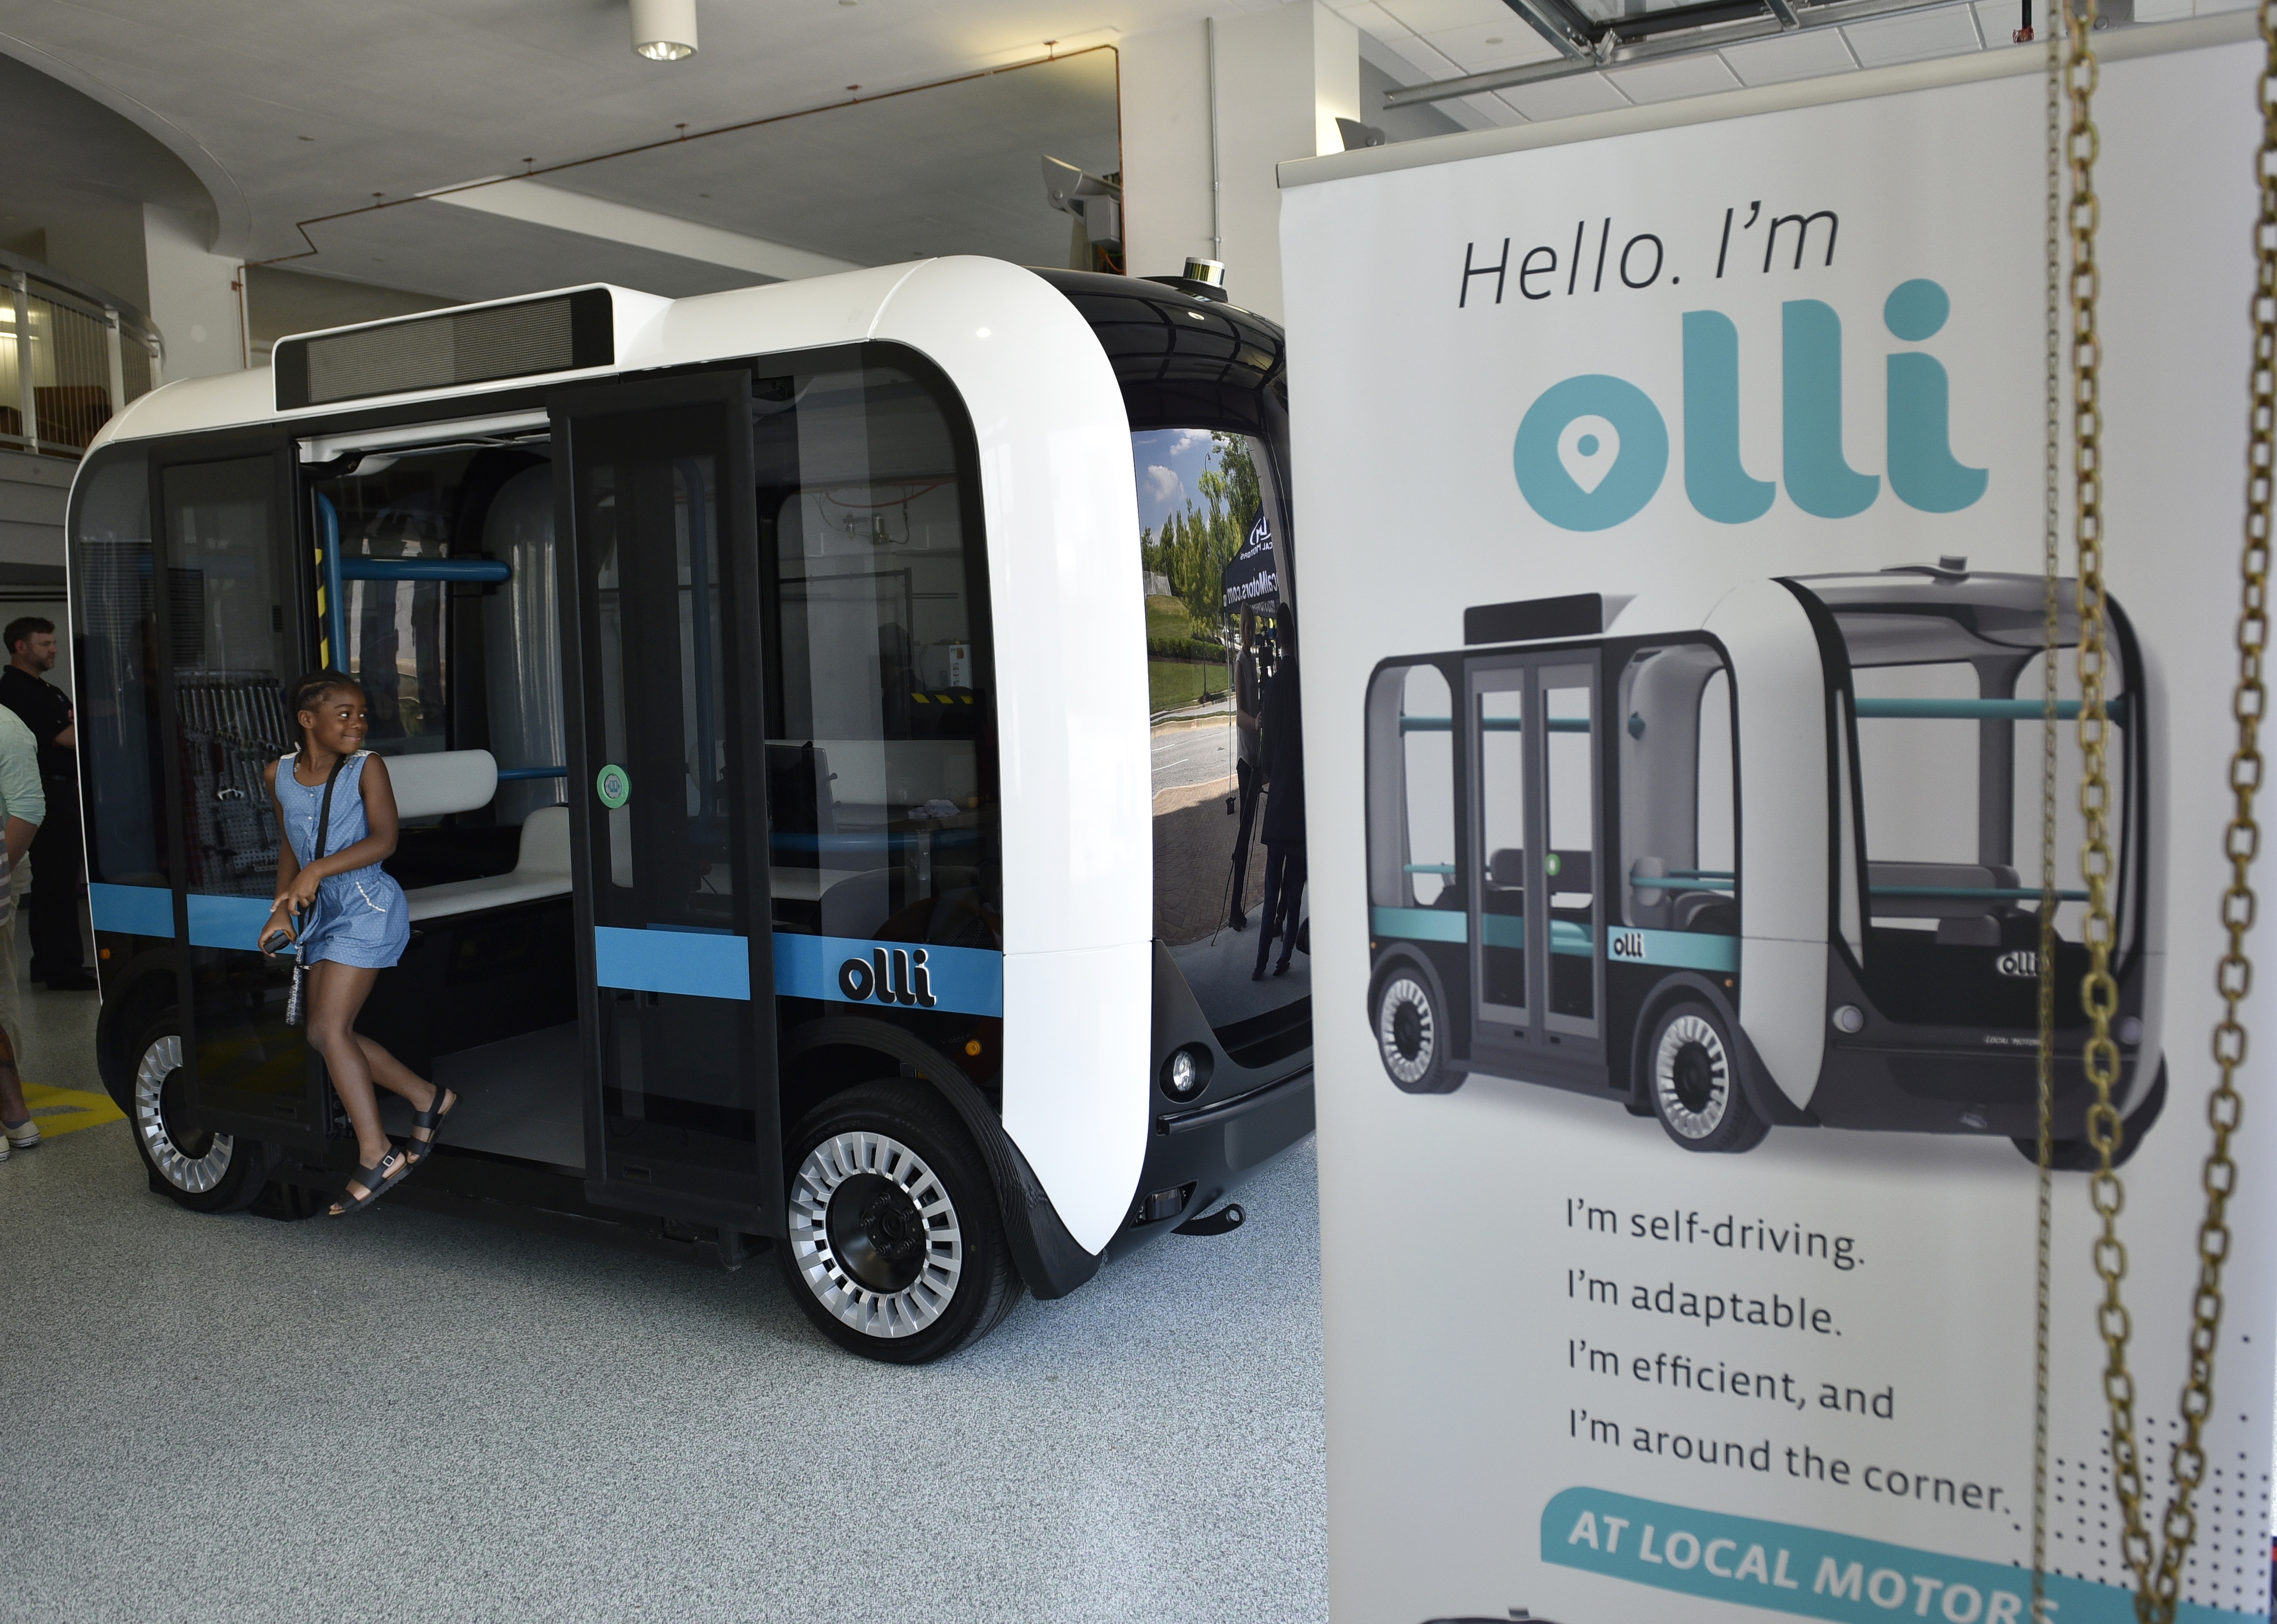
1591,451
898,975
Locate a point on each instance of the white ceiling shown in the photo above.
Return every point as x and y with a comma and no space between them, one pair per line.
304,112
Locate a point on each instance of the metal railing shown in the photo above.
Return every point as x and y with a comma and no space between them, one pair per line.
70,355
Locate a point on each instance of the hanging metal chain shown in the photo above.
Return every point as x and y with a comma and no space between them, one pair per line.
2241,844
2158,1594
2051,634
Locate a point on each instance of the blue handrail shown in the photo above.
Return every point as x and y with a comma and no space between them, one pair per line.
486,571
1493,724
1977,710
1986,893
508,774
335,649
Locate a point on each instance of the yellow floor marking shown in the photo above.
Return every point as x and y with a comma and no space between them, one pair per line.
66,1111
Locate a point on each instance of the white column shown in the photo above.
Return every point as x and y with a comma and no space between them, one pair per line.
1283,78
193,300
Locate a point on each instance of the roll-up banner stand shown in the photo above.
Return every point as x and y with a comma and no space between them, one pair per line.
1672,491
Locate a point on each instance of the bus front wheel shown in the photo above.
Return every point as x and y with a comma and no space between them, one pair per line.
1692,1078
896,1250
202,1170
1411,1032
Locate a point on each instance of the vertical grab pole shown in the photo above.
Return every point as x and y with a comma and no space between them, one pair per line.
331,593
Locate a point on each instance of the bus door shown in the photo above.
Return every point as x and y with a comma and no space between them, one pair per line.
232,618
661,670
1537,974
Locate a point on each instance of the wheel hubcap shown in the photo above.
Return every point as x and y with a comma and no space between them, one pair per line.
875,1234
1692,1077
1406,1031
187,1157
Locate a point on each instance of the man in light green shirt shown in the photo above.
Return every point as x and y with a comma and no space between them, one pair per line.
23,808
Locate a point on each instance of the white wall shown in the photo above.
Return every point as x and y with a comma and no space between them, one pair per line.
1284,77
193,300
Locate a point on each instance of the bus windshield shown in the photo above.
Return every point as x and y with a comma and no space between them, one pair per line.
1940,776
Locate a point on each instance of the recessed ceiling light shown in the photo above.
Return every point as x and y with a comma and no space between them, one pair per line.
1494,39
664,30
307,138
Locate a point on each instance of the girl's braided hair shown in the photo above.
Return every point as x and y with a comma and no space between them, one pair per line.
309,691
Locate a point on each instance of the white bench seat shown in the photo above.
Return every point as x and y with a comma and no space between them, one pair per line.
541,871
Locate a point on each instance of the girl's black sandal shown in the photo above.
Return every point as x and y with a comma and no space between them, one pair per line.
389,1170
431,1122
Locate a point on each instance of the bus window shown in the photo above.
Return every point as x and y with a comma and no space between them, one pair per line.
880,758
1499,697
1945,671
117,655
1678,801
396,645
1207,499
1427,751
231,668
1570,860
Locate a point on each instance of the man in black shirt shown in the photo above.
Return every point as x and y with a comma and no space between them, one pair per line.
58,955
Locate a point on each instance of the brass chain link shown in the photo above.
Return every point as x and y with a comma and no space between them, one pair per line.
2052,628
2158,1594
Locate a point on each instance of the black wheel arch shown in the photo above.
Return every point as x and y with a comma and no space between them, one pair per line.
132,997
1050,1260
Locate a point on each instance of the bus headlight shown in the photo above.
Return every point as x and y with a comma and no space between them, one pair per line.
1186,1074
1849,1017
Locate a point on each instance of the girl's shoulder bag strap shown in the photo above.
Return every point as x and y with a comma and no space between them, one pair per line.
325,812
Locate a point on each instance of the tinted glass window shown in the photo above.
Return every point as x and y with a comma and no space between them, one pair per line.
114,621
231,666
880,725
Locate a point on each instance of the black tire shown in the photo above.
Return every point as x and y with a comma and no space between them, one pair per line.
2079,1156
201,1170
1692,1078
1410,1019
896,1251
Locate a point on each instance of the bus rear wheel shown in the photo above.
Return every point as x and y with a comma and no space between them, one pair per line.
896,1249
1692,1078
199,1169
1411,1032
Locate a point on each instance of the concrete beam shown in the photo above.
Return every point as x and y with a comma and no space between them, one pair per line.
537,204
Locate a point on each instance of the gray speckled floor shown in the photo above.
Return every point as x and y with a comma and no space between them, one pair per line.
428,1416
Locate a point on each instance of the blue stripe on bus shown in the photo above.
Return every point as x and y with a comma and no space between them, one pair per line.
223,922
668,960
968,981
133,910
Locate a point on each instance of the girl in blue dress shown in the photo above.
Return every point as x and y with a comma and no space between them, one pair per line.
348,919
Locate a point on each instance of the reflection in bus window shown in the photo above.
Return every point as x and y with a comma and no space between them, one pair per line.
1212,562
397,641
1677,795
880,754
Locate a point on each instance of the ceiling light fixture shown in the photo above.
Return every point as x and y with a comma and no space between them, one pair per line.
664,30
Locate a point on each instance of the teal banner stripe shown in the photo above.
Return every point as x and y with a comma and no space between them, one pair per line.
1782,1568
1420,924
1675,949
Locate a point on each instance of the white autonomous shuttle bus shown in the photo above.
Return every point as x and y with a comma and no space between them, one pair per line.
1753,863
764,681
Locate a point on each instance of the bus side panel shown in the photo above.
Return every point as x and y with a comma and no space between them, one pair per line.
1780,688
1061,511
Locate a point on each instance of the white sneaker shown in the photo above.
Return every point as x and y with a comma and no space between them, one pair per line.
4,1147
23,1135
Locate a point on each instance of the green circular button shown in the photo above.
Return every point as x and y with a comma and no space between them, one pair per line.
1553,864
614,786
